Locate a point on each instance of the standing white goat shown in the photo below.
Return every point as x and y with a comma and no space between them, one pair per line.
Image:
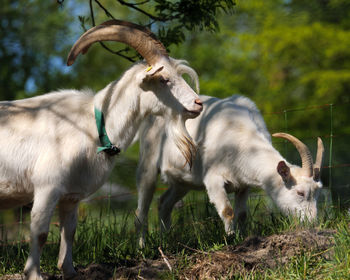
234,153
57,148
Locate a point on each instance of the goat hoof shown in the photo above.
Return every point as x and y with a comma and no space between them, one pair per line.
229,229
32,276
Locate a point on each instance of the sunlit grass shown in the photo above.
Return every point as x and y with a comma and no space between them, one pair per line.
107,235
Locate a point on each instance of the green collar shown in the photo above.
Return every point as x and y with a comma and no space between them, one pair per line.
106,145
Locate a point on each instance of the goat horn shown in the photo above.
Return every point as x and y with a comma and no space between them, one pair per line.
319,155
306,158
136,36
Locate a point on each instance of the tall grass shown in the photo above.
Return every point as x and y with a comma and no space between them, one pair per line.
107,235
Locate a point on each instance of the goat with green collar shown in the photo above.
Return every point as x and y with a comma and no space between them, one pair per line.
58,148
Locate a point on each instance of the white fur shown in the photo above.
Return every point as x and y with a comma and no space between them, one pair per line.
48,146
234,153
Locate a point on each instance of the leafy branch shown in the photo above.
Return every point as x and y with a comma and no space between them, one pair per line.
170,18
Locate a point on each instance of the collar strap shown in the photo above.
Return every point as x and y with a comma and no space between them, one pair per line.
106,145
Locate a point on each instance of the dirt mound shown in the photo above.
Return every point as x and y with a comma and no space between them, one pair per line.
257,253
148,269
144,269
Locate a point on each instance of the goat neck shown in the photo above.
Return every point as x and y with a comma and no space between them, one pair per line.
120,104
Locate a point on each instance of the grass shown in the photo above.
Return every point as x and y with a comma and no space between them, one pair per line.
107,235
310,265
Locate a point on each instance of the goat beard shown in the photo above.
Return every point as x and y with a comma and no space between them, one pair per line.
176,130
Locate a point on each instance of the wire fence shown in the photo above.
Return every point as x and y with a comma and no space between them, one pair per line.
328,134
336,165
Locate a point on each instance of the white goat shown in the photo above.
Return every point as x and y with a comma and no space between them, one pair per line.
49,143
234,153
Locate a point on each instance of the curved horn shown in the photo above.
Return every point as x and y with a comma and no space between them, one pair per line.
136,36
319,157
306,158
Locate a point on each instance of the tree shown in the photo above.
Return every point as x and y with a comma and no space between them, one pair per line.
36,37
31,44
285,55
168,19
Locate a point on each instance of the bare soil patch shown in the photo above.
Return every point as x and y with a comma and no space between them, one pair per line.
258,253
255,253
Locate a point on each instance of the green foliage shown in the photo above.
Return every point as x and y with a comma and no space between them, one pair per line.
279,56
168,19
193,14
293,59
30,49
33,52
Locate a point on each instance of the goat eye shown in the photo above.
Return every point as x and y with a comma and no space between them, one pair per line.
302,194
164,81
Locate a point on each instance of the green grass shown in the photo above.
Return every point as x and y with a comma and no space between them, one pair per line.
310,265
106,235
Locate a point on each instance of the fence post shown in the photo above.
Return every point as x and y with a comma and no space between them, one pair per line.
19,238
330,163
286,131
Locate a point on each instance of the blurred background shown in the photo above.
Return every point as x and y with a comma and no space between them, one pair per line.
291,57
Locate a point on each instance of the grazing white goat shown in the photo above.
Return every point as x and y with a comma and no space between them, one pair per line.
234,153
57,148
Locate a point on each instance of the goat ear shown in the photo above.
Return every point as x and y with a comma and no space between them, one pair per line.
317,174
284,171
151,74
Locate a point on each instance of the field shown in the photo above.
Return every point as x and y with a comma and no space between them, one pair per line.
271,247
292,58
